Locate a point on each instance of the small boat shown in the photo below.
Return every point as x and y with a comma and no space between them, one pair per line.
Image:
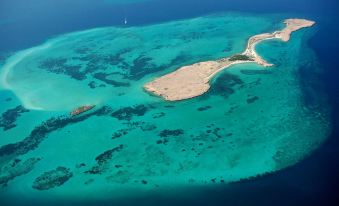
125,21
81,110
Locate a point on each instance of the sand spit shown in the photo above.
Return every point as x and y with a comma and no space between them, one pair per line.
193,80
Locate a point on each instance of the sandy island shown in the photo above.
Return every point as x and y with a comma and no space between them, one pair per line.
193,80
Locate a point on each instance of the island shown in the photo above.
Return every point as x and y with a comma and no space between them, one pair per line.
81,110
193,80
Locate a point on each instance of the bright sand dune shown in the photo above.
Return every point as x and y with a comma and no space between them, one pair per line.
193,80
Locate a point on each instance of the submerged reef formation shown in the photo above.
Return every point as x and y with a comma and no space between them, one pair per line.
174,132
52,178
127,113
225,85
16,168
60,66
40,132
252,121
8,118
103,160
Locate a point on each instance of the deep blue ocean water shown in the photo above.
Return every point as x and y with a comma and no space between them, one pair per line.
314,181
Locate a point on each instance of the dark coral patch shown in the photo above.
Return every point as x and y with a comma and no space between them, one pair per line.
143,65
200,109
92,85
104,77
141,62
107,155
103,159
144,182
53,178
120,133
224,85
158,115
60,66
231,110
162,141
92,64
127,113
9,117
132,126
78,166
215,131
251,99
148,127
168,132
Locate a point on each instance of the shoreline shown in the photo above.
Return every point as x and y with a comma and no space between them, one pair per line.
193,80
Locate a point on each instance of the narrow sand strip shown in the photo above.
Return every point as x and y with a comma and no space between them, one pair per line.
193,80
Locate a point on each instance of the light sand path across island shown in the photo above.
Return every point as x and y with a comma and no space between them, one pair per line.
193,80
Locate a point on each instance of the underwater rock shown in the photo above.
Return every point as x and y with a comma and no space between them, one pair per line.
52,178
9,117
16,168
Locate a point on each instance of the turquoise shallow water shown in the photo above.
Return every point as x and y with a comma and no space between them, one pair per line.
253,120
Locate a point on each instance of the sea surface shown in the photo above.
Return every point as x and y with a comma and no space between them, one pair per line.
259,136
